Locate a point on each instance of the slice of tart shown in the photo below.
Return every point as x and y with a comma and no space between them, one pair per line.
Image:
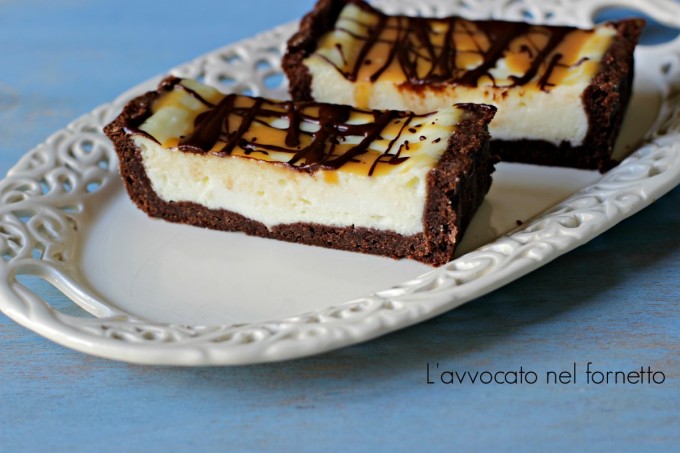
561,92
385,182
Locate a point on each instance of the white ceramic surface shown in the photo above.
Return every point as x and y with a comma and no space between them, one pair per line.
159,293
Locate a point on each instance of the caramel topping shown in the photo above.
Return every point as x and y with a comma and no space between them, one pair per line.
309,136
367,45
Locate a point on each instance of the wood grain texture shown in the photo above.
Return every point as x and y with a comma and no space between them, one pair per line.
613,302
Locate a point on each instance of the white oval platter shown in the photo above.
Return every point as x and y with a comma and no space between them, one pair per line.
156,293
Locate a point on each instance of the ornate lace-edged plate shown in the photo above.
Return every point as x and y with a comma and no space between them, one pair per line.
154,293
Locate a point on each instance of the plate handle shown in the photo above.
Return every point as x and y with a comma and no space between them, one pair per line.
666,12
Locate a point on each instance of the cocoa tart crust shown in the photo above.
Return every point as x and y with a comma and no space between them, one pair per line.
605,99
456,188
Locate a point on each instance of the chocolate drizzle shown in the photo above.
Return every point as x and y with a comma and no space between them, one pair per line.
224,127
208,126
410,43
556,37
373,37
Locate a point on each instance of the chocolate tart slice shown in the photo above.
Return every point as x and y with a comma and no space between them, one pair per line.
384,182
561,92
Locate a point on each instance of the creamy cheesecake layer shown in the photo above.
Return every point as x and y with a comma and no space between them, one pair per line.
535,75
277,162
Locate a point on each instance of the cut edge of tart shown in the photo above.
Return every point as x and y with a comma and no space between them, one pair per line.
389,183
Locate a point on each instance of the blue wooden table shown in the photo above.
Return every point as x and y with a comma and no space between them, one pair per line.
613,302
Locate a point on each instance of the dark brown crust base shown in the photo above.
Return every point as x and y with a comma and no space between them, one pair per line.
605,100
456,186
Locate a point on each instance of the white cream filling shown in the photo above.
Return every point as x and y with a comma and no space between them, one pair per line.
275,194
